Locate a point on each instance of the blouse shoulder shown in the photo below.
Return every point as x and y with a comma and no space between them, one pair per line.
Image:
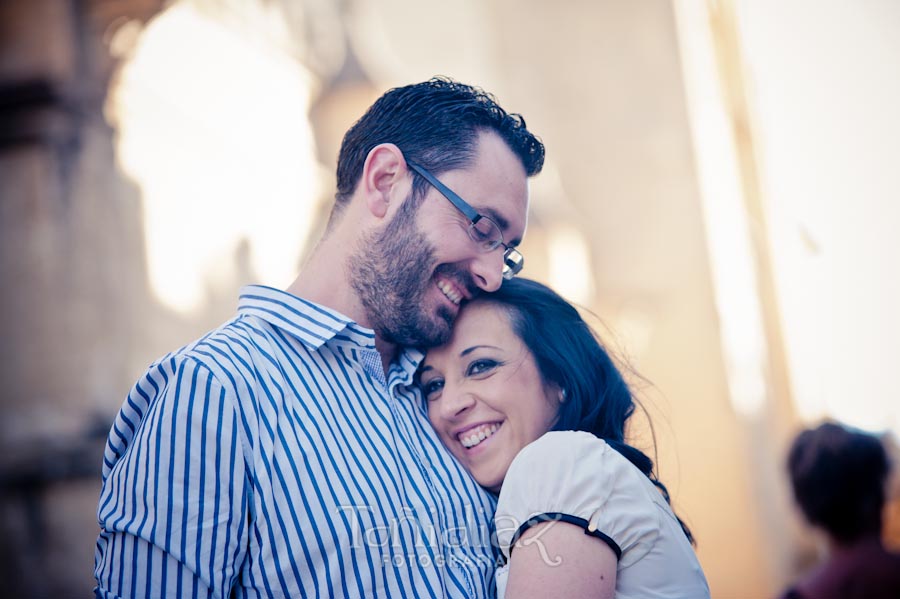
575,477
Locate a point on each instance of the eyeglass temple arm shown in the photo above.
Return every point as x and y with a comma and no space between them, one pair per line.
457,201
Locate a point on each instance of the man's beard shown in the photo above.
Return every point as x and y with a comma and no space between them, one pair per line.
391,273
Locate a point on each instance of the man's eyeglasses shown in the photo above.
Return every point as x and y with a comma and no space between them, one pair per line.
483,231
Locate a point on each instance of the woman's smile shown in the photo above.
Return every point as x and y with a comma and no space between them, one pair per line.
486,398
474,436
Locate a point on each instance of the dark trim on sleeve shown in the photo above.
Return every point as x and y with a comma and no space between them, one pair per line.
560,517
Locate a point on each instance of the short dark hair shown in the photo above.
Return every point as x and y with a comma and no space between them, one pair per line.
435,124
838,477
570,355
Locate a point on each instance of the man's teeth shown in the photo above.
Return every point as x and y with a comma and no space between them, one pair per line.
450,292
476,436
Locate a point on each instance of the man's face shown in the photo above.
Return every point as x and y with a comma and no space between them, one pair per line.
412,275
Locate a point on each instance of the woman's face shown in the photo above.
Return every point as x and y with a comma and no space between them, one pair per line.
485,396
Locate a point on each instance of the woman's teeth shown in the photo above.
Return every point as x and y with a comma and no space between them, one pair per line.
451,293
476,436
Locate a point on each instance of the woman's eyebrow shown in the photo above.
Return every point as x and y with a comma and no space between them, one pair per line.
469,350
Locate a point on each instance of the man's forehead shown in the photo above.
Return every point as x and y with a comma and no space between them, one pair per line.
501,187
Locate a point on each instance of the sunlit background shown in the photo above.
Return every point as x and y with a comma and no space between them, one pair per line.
722,191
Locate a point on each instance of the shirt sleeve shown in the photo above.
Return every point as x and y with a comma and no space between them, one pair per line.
577,478
174,501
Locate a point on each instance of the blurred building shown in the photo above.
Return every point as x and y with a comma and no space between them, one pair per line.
720,189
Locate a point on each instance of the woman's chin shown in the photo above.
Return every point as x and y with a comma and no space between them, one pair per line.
491,481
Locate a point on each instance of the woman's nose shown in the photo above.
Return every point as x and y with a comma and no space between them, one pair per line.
455,403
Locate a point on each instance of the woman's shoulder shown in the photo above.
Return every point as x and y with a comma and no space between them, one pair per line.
573,472
578,475
563,443
556,453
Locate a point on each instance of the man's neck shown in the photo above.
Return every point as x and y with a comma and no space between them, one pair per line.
324,280
388,352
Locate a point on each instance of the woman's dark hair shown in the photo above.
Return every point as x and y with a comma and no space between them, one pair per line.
435,124
570,355
838,477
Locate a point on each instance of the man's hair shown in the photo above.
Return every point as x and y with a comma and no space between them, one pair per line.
435,124
838,476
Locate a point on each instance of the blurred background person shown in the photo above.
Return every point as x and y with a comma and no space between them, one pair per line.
839,477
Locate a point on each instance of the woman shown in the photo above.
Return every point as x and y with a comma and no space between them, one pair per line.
580,513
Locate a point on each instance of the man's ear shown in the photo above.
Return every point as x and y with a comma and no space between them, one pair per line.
384,169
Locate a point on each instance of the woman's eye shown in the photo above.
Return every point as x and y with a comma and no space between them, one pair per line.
481,366
431,388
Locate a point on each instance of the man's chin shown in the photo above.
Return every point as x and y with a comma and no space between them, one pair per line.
433,337
426,334
443,326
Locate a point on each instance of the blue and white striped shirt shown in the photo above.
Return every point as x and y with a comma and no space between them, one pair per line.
271,458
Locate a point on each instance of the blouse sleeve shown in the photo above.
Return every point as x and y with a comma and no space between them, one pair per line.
577,478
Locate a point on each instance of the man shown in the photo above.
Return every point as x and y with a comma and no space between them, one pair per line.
288,452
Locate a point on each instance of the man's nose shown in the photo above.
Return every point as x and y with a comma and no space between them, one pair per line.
487,270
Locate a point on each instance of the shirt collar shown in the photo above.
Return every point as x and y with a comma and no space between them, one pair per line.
314,325
311,323
404,367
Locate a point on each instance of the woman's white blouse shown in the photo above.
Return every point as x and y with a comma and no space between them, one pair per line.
578,478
